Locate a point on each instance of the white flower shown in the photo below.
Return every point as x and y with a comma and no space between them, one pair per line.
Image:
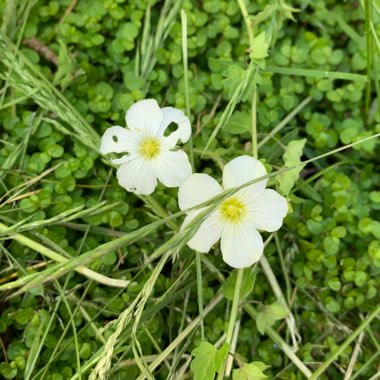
239,217
149,154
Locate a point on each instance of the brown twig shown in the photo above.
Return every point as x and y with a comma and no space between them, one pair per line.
354,357
41,49
68,10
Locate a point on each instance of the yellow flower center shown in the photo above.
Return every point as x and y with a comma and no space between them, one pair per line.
150,148
232,209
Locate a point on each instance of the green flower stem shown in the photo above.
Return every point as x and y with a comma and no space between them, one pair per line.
254,124
283,267
239,279
250,310
290,320
368,18
186,79
247,21
345,344
191,155
287,350
235,304
60,259
200,291
233,315
230,359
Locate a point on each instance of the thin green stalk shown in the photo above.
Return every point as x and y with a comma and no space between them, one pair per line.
283,267
72,322
366,365
33,356
186,79
128,238
344,345
368,17
200,291
288,351
176,353
315,73
247,79
189,328
235,304
250,310
254,124
233,315
191,156
155,344
373,338
285,121
247,21
89,319
160,211
58,258
290,320
14,102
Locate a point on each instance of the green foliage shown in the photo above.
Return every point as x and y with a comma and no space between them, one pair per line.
269,315
207,360
108,55
291,157
248,283
251,371
260,45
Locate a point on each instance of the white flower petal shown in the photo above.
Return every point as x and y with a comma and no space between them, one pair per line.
171,168
196,189
137,176
244,169
118,140
208,233
145,116
183,132
268,210
123,160
241,244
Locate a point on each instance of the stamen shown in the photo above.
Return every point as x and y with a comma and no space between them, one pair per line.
150,148
232,209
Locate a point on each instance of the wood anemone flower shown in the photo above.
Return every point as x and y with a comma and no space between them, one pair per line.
149,154
238,219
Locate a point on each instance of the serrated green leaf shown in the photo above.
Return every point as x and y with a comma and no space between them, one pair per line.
262,323
291,157
293,152
203,365
249,371
261,365
276,311
240,122
259,48
207,360
269,316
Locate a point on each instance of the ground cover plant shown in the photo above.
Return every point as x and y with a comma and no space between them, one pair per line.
100,277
